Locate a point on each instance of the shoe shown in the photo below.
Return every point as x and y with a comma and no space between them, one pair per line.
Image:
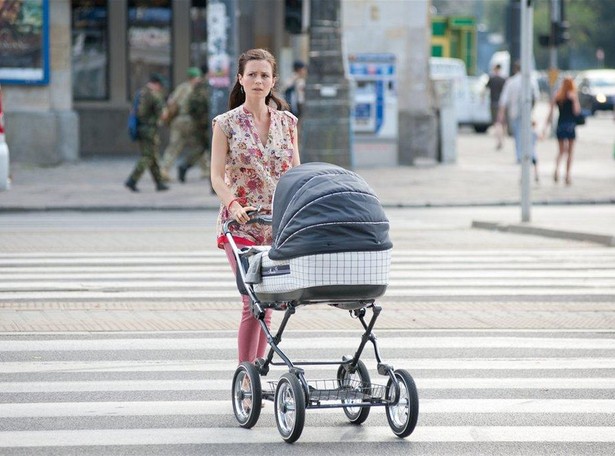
181,173
132,185
161,187
568,180
555,177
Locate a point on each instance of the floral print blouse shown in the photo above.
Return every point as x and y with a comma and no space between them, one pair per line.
252,169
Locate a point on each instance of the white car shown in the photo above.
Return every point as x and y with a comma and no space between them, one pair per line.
471,101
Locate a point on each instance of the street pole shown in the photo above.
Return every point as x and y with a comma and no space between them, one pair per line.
526,106
222,52
555,18
325,125
553,68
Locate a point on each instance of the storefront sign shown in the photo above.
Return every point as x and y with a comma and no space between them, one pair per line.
24,42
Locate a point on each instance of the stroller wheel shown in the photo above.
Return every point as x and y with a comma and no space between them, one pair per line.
403,416
247,395
289,407
353,388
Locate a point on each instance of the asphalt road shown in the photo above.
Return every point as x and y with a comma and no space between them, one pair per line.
481,393
118,338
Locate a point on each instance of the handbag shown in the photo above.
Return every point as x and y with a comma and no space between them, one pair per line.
579,119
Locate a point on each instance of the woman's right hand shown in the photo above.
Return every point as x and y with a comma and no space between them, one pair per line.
239,212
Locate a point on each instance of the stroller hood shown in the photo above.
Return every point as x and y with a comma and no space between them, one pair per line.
323,208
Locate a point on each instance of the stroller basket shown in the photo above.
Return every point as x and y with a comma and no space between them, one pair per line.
351,390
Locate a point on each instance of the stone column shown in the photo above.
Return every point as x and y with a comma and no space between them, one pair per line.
61,83
325,127
418,123
42,127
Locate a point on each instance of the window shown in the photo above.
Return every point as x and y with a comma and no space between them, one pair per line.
90,58
149,41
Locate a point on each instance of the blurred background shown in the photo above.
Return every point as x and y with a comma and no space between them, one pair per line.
403,75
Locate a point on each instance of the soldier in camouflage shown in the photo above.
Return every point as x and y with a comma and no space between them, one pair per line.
150,109
181,124
198,109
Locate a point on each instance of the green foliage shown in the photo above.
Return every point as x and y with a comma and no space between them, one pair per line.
592,26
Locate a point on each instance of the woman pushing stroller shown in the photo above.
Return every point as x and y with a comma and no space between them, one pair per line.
253,145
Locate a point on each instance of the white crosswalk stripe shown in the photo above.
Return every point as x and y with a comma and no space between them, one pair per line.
205,274
83,392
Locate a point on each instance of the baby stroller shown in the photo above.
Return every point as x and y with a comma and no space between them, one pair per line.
330,246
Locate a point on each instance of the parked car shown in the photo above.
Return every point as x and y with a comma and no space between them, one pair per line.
596,90
471,106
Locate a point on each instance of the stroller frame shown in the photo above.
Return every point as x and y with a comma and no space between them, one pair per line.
352,390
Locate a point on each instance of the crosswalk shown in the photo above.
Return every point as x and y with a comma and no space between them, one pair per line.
147,365
481,392
205,274
438,288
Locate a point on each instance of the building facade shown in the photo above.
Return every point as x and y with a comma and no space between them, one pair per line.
100,51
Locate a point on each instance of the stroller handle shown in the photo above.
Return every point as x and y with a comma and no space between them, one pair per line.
254,218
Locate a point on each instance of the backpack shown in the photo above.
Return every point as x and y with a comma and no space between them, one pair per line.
290,94
133,120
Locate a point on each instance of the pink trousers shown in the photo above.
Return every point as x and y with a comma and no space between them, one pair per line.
251,340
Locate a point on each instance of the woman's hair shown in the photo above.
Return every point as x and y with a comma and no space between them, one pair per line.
237,96
566,87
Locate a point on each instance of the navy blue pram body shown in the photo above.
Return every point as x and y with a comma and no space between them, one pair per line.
330,239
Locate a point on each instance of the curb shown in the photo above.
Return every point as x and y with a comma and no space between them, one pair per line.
603,239
216,206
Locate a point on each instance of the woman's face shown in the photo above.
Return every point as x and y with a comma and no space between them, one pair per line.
257,79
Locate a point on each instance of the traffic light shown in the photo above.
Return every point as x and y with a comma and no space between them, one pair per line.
293,16
561,35
544,40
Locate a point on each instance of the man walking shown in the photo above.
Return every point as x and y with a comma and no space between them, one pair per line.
149,110
495,84
197,106
180,123
510,105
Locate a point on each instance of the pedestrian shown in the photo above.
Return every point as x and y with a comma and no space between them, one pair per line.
181,124
151,103
567,101
253,145
495,84
295,88
197,106
510,105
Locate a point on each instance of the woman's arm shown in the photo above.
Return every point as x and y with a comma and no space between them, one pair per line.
219,149
296,160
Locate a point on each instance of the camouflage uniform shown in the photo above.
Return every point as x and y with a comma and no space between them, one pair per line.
150,108
198,109
181,128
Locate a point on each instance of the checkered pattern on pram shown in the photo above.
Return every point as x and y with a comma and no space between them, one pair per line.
344,268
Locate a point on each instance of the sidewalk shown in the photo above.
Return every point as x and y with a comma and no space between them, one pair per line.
481,176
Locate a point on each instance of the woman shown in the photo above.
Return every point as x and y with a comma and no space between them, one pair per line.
569,107
252,146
